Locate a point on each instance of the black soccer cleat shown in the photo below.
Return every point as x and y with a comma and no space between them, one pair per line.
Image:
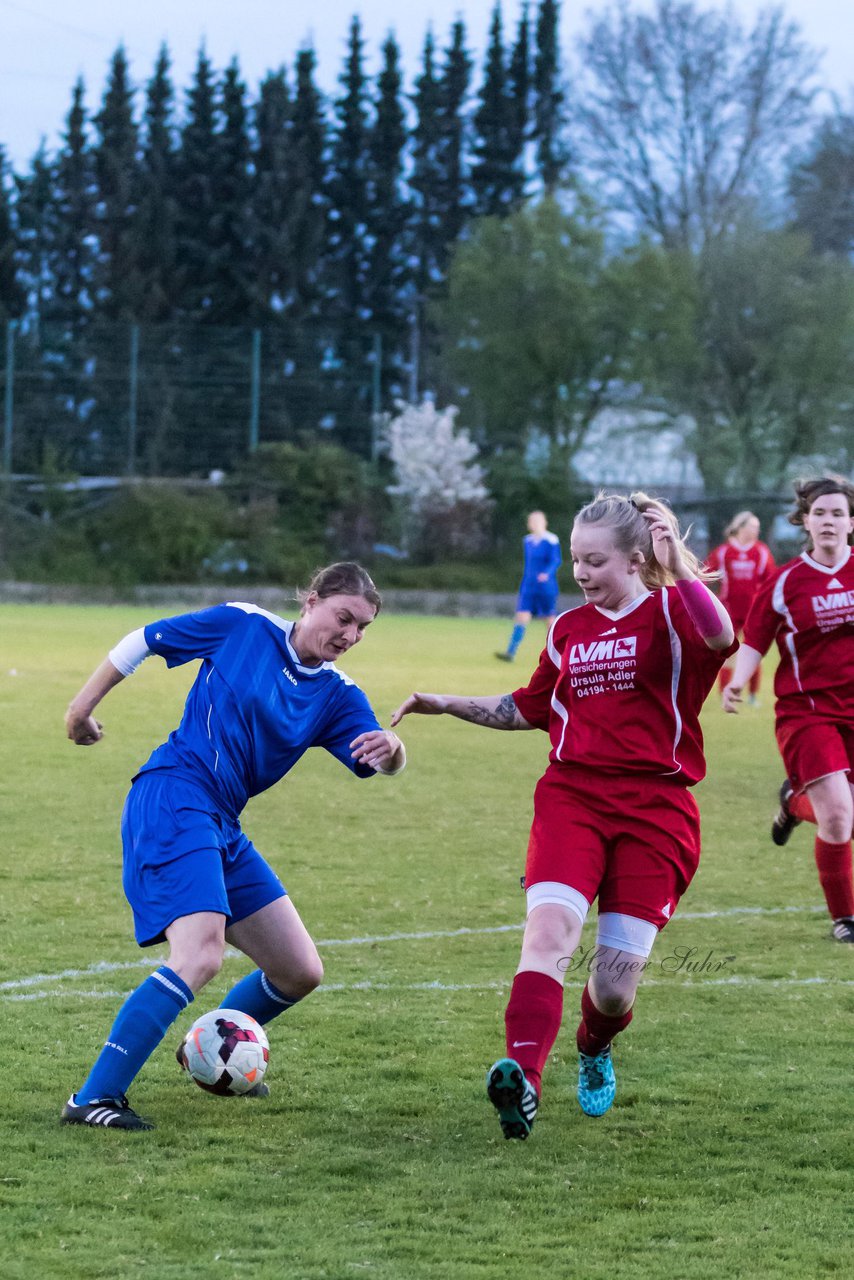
784,822
106,1113
514,1099
843,929
505,657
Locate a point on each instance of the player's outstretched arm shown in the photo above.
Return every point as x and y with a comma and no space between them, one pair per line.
746,662
496,712
80,725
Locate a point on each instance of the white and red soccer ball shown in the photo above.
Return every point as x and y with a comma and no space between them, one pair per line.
226,1052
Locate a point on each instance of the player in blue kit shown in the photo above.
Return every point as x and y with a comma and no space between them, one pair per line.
266,691
538,590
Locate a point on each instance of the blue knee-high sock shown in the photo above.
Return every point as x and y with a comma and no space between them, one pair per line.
256,995
140,1025
516,638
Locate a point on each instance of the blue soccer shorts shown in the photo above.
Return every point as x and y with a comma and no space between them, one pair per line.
540,601
181,855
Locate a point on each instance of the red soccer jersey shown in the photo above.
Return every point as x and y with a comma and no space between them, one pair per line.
809,610
622,692
743,570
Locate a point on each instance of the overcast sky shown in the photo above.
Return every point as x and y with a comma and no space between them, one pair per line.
46,44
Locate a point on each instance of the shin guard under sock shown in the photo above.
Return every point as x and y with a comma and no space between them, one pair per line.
532,1021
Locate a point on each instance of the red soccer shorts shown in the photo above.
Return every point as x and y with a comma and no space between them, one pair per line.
633,841
814,746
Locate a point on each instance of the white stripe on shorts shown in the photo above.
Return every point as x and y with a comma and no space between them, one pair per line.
625,933
561,894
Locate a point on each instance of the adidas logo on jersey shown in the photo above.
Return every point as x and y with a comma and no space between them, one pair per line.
611,632
290,676
835,585
603,650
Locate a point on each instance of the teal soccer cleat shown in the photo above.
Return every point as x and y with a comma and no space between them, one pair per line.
597,1083
513,1097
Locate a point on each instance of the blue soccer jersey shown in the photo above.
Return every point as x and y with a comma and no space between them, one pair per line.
253,709
542,555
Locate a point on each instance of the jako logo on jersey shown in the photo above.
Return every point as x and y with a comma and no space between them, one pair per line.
835,600
287,673
603,650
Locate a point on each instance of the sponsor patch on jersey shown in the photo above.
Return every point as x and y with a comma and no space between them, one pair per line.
832,602
603,650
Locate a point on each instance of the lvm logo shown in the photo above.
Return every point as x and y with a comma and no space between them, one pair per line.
603,650
832,601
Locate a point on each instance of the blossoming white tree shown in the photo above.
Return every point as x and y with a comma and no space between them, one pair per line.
439,483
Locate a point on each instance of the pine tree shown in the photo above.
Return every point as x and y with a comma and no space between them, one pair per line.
233,194
196,193
549,98
308,197
426,177
74,265
388,213
494,180
70,356
519,94
156,220
453,198
11,299
37,219
272,205
348,189
118,288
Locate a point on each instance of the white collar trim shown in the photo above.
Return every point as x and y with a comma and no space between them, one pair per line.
823,568
615,615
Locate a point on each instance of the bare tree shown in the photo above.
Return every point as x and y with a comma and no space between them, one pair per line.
683,115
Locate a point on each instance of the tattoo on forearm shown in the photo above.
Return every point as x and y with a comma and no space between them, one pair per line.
504,716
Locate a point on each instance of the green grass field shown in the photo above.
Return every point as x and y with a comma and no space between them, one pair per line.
725,1155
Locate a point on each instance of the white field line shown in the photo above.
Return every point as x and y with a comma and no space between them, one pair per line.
734,981
10,987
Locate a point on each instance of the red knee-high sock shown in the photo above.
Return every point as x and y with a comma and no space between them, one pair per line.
800,807
596,1030
532,1021
724,677
834,872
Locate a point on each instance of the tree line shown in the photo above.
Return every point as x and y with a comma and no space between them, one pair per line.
660,221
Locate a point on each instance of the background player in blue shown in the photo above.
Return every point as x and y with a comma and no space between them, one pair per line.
266,691
538,590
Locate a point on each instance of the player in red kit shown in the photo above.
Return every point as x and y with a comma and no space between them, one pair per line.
743,563
808,608
618,689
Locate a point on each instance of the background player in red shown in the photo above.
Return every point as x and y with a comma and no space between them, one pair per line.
808,608
743,563
619,689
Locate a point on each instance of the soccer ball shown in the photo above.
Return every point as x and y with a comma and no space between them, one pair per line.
225,1052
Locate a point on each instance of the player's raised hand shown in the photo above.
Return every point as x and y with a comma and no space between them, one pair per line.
665,545
423,704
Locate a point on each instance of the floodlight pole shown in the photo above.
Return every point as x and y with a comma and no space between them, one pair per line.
133,396
376,393
9,410
255,391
